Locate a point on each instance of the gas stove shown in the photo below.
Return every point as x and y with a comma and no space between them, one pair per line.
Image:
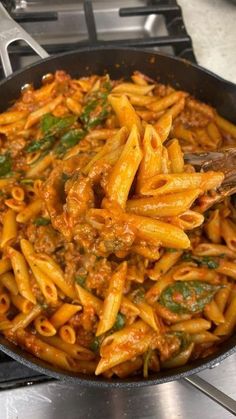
66,25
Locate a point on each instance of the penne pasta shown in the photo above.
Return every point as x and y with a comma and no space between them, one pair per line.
46,286
44,351
169,183
125,112
133,88
21,274
23,305
213,313
112,302
188,220
7,279
124,345
167,260
180,359
225,125
88,300
228,326
67,334
158,232
213,228
191,326
22,320
124,171
164,205
165,102
44,327
163,126
152,153
63,314
212,249
9,231
35,116
29,212
75,351
176,156
228,232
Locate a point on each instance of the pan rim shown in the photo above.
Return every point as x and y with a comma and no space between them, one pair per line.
48,370
107,48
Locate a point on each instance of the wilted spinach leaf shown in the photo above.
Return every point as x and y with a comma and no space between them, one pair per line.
5,164
187,296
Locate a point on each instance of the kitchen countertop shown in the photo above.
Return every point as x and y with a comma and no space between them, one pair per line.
212,26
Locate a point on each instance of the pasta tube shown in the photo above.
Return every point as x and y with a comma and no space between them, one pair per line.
169,183
163,205
112,300
124,171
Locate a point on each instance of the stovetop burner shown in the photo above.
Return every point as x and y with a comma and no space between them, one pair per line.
61,26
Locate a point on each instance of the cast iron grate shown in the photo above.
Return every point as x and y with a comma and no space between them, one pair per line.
177,36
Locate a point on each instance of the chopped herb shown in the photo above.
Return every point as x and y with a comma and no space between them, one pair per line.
52,127
96,108
187,296
120,321
184,338
68,140
170,250
44,144
65,177
95,345
41,221
27,181
207,261
5,164
147,357
50,124
187,256
81,280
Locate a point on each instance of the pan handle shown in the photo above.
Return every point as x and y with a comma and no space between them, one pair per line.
10,31
214,393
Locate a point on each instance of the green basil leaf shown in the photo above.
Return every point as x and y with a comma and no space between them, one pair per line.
187,296
42,221
97,120
5,164
120,321
27,181
96,109
208,261
54,125
43,144
71,138
81,280
95,345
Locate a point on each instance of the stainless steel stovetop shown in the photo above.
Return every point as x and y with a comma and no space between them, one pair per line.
60,25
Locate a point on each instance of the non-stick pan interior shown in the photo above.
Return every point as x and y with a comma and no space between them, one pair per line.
121,63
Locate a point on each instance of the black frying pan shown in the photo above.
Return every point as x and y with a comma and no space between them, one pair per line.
121,62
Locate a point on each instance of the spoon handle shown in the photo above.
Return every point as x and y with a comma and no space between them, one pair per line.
209,390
